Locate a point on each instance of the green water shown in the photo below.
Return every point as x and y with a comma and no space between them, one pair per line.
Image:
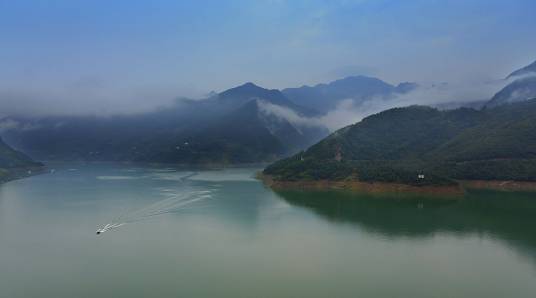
243,240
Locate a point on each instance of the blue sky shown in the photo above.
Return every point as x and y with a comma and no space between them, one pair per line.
144,51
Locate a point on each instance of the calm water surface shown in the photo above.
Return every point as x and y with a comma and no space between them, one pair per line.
222,234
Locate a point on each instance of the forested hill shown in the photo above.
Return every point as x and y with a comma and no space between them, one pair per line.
226,128
399,144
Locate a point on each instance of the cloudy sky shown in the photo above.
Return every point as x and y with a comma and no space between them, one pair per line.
98,56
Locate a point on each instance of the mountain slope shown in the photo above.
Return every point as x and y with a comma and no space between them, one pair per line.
240,95
523,87
501,133
531,68
225,128
399,144
245,135
519,90
12,162
10,158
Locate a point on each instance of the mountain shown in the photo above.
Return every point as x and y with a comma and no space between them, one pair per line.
245,135
324,97
240,95
522,87
519,90
13,163
399,144
227,127
531,68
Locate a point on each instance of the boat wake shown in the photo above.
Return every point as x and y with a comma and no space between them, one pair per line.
173,202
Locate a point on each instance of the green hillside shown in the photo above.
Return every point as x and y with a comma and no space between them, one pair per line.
399,144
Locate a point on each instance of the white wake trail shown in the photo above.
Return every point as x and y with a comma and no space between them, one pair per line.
173,203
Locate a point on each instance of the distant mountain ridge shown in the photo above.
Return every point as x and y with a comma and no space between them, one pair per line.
243,124
242,94
531,68
225,128
325,97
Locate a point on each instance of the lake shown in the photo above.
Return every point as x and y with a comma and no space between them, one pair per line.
199,233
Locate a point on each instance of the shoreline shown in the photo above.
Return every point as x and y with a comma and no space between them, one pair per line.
20,173
366,187
500,185
399,188
201,166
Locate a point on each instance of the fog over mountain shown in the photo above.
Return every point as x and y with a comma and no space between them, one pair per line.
94,100
339,111
519,90
98,86
267,148
527,70
337,103
521,87
229,127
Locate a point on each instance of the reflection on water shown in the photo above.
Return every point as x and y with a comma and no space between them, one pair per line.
237,238
507,216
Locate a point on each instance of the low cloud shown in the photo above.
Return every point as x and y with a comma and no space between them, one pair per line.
350,111
91,97
287,114
86,97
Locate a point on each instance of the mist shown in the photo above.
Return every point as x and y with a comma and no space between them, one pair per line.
76,100
349,111
287,114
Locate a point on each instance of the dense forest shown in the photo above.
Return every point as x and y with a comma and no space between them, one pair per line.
424,146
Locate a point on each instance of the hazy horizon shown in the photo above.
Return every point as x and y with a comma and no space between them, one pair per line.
65,57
